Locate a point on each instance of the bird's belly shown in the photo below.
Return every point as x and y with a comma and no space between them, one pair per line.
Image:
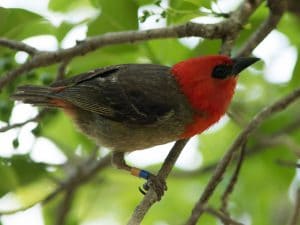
125,137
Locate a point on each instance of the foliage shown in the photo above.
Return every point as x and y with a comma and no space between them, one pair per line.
263,187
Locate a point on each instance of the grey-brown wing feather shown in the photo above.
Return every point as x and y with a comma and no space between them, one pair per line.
133,93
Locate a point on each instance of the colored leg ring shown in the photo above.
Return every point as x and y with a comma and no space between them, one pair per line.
140,173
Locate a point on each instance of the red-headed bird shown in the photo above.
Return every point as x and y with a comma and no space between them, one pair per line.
135,106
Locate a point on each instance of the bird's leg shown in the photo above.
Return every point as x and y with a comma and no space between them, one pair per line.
153,181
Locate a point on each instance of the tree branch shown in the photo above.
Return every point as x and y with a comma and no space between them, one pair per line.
34,119
277,8
65,206
233,180
150,198
222,216
278,106
209,31
286,163
80,175
296,214
61,71
19,46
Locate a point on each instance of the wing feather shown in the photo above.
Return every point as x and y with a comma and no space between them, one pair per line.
135,93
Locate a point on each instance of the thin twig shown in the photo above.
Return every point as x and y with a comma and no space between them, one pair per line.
222,216
65,206
26,67
34,119
291,127
277,8
262,144
282,140
295,219
233,180
62,70
286,163
227,44
19,46
150,198
81,175
278,106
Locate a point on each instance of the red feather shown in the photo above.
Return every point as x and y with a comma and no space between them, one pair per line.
194,77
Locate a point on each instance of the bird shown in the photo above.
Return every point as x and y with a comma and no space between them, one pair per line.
130,107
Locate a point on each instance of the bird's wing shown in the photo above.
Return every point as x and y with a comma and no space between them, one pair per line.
135,93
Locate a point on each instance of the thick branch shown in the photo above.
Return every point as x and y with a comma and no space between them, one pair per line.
47,58
278,106
209,31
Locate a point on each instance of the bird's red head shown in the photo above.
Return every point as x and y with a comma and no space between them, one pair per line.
209,83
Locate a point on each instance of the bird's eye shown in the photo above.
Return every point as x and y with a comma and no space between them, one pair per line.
222,71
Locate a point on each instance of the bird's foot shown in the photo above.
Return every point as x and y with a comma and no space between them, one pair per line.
157,184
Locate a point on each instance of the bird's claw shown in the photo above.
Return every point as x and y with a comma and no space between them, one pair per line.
157,184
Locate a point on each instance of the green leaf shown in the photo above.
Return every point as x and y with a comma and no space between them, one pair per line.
5,108
19,24
183,11
213,145
199,3
207,47
9,180
26,169
271,181
19,170
6,105
146,2
65,5
292,31
115,15
173,51
118,54
296,78
35,191
15,143
62,30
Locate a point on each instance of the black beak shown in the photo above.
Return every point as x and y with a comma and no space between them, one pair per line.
242,63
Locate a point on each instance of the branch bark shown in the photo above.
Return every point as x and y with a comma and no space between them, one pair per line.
209,31
65,206
34,119
223,217
19,46
80,175
233,180
150,198
277,8
296,214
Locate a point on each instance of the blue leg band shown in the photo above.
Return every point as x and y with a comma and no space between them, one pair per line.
144,174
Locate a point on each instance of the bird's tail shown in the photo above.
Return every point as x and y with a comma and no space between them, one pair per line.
36,95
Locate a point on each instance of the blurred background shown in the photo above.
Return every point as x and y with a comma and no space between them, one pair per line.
36,156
